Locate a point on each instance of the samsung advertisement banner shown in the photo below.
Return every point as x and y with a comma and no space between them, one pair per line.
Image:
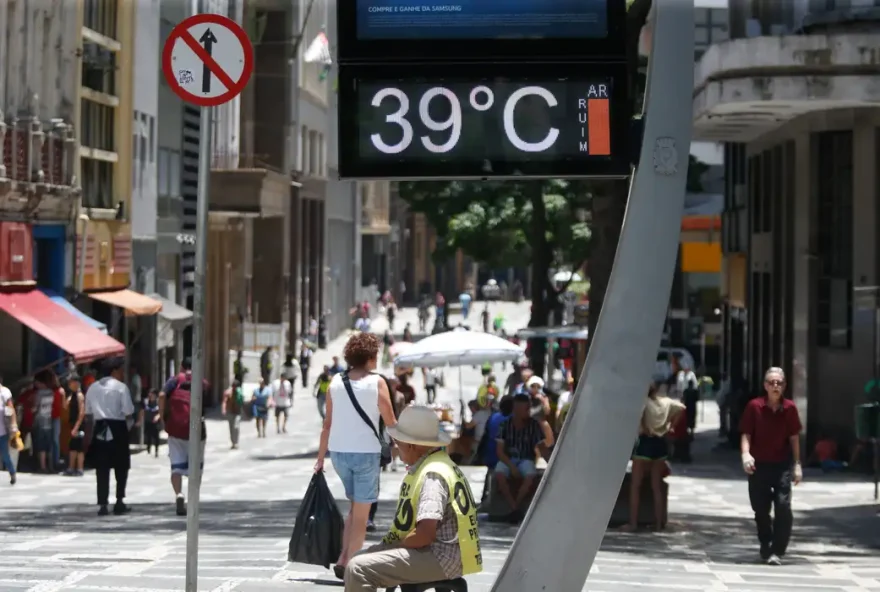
482,89
407,30
481,19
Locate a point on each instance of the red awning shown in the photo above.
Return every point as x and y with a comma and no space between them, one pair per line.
36,311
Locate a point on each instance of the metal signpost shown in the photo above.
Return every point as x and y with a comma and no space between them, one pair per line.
540,93
207,61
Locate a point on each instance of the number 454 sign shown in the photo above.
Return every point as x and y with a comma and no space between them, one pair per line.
207,60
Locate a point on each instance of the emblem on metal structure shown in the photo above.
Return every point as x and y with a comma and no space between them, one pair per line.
665,156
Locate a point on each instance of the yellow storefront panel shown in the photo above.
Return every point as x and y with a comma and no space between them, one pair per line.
701,257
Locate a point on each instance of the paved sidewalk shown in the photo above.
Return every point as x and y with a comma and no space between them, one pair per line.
52,541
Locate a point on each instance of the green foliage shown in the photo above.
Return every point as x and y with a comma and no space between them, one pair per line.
492,221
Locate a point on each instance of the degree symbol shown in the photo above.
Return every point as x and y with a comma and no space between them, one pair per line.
490,98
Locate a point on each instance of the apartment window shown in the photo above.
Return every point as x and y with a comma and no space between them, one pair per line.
97,183
313,153
168,173
174,181
304,149
322,156
162,172
98,69
100,16
832,154
98,126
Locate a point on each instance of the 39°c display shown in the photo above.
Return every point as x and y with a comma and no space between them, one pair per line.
484,128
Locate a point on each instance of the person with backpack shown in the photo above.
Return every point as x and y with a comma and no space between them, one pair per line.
231,408
174,407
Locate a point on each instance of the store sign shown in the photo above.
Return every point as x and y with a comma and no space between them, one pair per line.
463,122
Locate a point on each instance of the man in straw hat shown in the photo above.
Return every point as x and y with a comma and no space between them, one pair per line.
434,535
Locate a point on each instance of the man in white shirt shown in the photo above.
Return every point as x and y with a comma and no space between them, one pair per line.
282,396
431,385
109,403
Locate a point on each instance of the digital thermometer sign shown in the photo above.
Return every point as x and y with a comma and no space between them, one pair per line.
466,126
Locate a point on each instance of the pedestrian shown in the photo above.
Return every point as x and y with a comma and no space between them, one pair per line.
305,362
75,404
336,367
239,370
261,400
57,408
266,363
42,434
152,418
650,454
108,402
231,408
357,404
771,456
431,379
322,385
8,430
175,407
282,398
290,369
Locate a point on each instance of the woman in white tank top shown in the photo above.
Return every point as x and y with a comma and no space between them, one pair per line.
354,448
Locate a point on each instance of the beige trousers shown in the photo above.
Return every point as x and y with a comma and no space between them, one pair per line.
380,567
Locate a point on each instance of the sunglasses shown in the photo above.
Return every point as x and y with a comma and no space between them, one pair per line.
774,382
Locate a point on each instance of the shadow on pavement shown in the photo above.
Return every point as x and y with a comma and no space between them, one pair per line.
233,519
311,454
830,534
827,535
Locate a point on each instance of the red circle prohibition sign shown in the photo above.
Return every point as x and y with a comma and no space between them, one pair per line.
182,32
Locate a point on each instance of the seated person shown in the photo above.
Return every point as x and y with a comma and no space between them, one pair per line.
434,535
518,437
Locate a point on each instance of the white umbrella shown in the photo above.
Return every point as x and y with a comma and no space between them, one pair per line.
567,276
459,348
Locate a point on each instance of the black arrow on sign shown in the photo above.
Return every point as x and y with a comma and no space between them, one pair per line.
208,40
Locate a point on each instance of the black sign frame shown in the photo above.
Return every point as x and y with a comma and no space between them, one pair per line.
351,50
351,166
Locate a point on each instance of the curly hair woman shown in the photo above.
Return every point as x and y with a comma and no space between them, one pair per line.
356,402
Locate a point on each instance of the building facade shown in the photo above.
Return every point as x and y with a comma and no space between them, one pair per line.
39,82
793,96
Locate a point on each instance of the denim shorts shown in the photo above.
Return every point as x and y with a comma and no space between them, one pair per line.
359,472
525,467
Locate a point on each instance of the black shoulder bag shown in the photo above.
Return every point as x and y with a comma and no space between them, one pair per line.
385,458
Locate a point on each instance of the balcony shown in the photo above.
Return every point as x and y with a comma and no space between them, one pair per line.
255,188
36,167
748,87
375,207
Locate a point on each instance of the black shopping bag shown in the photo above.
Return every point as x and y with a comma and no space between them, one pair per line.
317,532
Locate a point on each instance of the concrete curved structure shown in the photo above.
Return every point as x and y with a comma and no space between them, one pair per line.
556,545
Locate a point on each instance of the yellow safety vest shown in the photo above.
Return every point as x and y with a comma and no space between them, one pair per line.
463,504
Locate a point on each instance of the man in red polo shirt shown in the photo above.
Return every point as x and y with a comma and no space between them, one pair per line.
771,456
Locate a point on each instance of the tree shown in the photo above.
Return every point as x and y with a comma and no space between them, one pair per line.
544,222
